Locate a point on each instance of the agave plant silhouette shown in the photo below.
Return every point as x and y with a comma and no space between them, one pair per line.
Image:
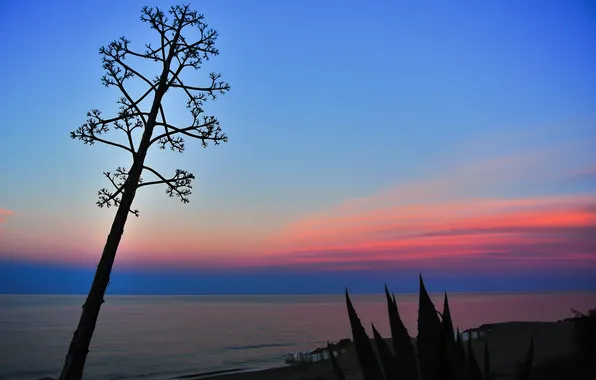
441,353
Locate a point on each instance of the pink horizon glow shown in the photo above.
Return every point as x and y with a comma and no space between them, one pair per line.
450,219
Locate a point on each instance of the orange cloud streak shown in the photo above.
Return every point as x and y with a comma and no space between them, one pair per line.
416,218
525,232
528,229
451,217
4,215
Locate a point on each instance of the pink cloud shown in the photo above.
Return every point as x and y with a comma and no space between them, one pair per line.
479,233
4,215
448,230
446,219
587,172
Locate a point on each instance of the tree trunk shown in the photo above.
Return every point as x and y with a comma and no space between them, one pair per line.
79,346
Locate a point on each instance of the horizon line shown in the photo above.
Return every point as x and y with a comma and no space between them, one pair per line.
307,294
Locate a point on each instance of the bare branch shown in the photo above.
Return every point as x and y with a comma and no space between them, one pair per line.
118,180
116,52
205,46
191,54
89,132
215,87
159,22
130,123
176,143
179,185
140,99
207,130
113,78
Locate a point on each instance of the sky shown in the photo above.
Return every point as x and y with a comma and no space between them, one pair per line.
368,142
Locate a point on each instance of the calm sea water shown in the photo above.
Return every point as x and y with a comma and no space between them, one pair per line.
160,337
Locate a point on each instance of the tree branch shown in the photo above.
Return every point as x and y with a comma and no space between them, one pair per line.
158,21
212,132
116,51
118,179
179,185
205,45
130,124
177,143
220,86
118,81
90,139
89,132
140,99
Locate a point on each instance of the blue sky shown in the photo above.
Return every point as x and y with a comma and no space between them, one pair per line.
333,104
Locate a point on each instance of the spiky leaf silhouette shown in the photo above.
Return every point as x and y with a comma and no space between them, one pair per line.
402,343
429,337
446,368
441,352
369,365
388,361
487,371
453,362
459,347
447,321
336,368
525,372
473,367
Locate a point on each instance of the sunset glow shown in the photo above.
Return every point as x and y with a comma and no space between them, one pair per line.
452,145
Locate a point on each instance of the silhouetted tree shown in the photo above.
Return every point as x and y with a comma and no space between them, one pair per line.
174,54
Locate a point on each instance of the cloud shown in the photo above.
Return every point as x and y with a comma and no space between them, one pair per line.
587,172
4,215
458,218
477,179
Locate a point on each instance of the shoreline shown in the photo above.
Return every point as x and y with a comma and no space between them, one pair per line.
202,375
284,371
508,342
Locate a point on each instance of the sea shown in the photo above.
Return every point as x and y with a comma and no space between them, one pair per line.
166,337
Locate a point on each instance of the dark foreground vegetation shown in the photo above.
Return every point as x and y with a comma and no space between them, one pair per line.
440,355
439,352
